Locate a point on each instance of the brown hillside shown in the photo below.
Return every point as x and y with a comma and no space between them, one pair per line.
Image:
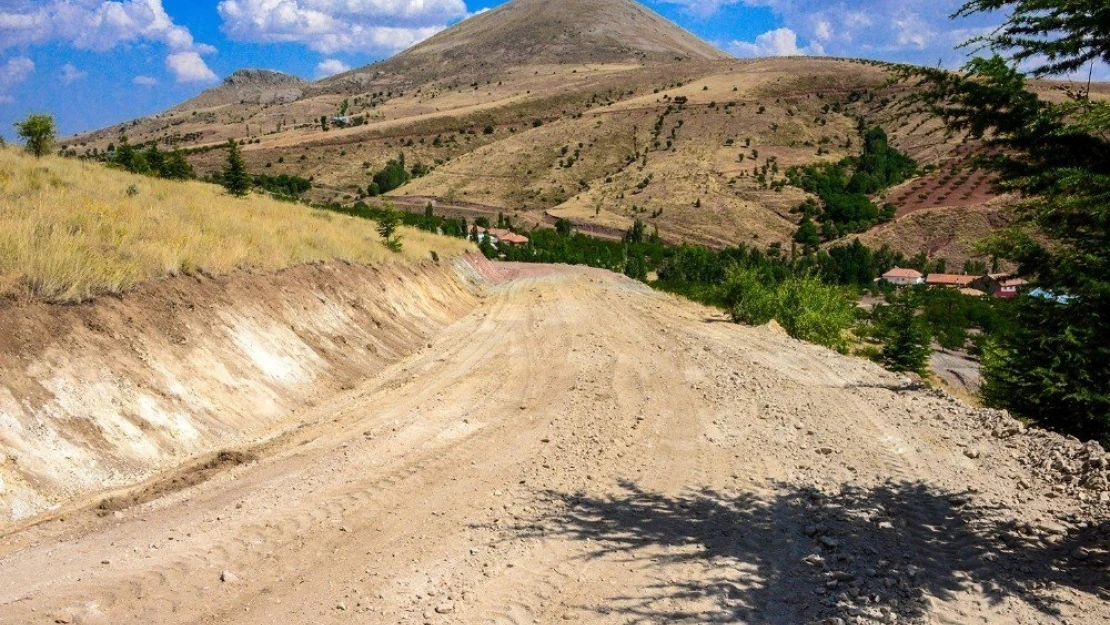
541,32
600,112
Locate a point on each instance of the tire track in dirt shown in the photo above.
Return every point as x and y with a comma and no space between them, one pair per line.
578,449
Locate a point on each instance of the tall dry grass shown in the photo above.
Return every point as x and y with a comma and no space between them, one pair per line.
71,230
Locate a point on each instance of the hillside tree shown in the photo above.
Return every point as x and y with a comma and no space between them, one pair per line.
235,177
38,133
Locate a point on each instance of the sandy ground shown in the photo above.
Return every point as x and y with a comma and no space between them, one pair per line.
581,449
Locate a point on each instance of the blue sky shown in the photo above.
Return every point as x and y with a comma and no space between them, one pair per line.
92,63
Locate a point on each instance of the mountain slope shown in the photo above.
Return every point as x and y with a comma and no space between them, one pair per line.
547,32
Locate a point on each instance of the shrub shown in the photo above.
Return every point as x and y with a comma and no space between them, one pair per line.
807,308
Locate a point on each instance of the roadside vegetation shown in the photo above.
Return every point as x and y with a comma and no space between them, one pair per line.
71,230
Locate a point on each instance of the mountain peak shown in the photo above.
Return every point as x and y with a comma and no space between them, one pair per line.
545,32
262,77
255,86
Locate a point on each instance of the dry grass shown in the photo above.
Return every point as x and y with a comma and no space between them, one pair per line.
71,230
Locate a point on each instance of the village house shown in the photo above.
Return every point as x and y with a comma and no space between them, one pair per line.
904,277
950,280
1001,285
501,235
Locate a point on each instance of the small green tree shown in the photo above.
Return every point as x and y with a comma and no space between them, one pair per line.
905,336
388,222
37,132
235,177
564,227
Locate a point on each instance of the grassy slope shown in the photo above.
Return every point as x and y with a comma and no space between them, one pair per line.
71,230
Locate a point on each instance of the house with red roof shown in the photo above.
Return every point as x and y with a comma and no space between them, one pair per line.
1000,285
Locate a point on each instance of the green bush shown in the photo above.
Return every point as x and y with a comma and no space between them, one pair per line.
807,308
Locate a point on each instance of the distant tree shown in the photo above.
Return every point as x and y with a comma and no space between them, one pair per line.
177,167
564,227
131,159
808,235
155,158
387,224
38,133
636,233
235,177
392,176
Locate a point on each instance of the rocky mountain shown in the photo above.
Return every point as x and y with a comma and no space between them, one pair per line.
250,86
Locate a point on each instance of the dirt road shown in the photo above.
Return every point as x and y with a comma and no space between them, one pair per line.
581,449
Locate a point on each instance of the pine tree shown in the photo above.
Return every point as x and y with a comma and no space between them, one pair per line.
1054,364
235,178
907,342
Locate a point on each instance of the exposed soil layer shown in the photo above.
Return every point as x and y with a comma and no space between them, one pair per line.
578,448
104,395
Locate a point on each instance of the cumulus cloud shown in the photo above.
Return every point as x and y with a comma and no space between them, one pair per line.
778,42
100,25
145,81
331,67
13,72
916,31
70,74
189,67
330,26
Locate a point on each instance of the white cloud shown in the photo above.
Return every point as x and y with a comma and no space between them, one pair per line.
98,25
330,26
701,8
189,67
145,81
778,42
331,67
71,74
101,25
13,72
918,31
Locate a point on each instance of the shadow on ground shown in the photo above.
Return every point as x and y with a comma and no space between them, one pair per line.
878,554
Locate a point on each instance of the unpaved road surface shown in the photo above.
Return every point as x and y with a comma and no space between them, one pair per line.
583,450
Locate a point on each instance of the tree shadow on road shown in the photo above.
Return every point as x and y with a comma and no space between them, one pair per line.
804,555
